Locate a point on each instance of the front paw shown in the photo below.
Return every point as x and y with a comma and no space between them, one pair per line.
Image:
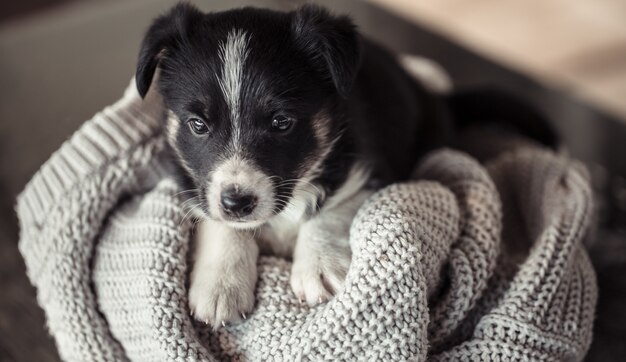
217,301
317,277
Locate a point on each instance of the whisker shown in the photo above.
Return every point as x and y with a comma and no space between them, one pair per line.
185,191
273,177
187,203
190,211
296,181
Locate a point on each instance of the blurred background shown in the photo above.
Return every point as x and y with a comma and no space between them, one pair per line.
63,60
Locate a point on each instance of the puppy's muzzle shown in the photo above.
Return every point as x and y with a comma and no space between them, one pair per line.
236,203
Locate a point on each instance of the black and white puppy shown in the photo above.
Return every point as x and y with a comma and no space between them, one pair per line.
283,124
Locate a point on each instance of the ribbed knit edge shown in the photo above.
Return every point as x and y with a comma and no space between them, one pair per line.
111,132
121,130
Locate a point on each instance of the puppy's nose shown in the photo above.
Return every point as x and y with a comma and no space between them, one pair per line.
237,203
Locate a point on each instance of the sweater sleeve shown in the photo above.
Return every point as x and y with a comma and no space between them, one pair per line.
62,209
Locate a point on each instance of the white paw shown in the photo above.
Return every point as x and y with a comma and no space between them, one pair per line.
317,277
219,298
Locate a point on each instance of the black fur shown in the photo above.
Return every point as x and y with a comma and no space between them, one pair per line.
331,43
493,107
300,64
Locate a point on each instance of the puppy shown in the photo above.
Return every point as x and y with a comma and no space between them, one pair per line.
283,124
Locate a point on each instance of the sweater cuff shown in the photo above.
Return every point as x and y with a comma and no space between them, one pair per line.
113,131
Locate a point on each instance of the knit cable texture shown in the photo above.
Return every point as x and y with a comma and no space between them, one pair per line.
468,261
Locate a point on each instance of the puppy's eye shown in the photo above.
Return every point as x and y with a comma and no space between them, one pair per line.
197,126
281,123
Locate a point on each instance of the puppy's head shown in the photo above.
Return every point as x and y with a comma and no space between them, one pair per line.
255,101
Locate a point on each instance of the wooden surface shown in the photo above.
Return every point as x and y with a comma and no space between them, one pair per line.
578,46
60,67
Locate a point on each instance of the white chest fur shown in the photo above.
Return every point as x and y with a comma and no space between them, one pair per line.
279,235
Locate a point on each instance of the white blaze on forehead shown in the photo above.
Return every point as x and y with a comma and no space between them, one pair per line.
233,54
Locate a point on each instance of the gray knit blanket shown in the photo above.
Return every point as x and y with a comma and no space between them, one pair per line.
468,261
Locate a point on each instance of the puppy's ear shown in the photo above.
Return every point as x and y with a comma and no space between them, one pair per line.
332,42
163,36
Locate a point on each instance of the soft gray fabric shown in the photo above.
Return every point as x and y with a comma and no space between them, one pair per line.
467,262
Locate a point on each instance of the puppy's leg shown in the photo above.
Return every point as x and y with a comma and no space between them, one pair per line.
322,254
224,274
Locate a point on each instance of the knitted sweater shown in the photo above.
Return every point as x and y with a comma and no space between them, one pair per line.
468,261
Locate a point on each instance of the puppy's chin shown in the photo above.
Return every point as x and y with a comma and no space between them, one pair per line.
245,225
235,224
